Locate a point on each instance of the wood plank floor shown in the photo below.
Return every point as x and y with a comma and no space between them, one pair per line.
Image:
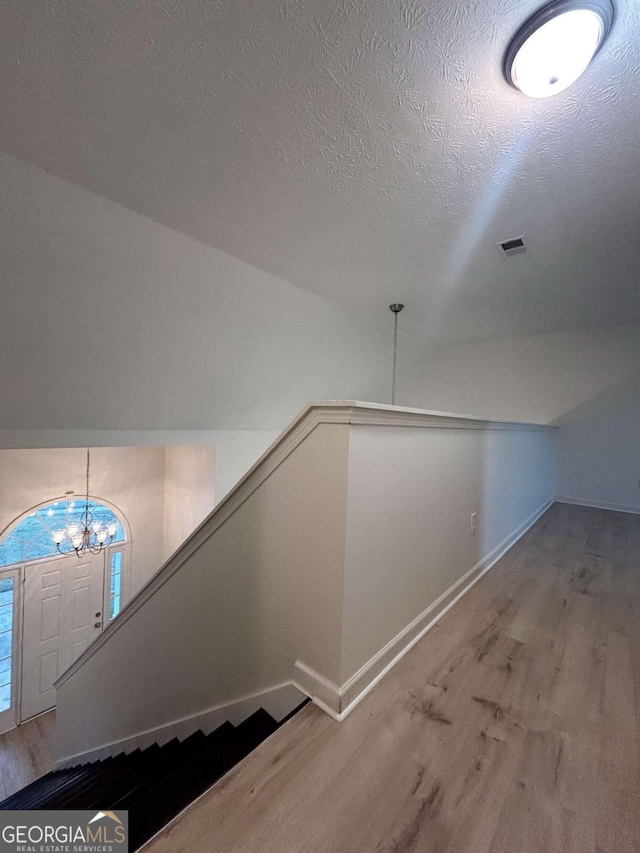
26,753
512,727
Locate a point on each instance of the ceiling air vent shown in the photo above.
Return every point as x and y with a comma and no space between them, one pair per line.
515,246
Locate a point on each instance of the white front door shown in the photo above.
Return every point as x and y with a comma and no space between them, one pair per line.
63,613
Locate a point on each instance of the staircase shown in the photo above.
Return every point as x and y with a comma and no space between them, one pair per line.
154,784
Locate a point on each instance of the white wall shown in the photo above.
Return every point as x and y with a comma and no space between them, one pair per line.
175,334
189,491
130,478
236,452
586,382
53,438
265,588
599,450
411,495
540,378
338,539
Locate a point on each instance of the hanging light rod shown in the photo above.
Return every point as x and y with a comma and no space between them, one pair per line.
555,46
396,308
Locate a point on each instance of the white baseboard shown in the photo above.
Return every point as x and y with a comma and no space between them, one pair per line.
563,499
339,701
279,701
324,693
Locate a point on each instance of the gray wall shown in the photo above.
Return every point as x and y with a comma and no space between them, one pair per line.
188,491
599,449
586,382
236,452
411,495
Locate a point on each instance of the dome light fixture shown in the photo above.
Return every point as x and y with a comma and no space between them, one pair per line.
553,48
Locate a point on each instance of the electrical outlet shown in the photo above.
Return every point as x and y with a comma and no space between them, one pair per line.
474,523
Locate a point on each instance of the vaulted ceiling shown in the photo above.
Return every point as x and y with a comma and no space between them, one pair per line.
365,150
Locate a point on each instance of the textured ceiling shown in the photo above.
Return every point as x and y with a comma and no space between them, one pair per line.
367,150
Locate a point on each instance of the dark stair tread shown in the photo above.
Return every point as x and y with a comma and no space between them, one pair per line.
66,797
152,759
211,749
38,785
259,724
45,786
161,804
99,782
175,792
180,753
54,776
138,762
154,784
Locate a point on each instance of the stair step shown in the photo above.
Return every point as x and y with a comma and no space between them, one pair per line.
176,791
70,796
140,765
153,762
99,783
24,793
47,786
256,728
172,755
154,784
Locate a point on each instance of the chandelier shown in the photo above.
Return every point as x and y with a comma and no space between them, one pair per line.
87,536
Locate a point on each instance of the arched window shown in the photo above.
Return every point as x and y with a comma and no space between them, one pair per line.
31,537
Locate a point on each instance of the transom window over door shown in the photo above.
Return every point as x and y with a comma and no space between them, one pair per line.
32,537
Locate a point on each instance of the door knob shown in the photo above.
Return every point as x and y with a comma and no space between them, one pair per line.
98,625
98,614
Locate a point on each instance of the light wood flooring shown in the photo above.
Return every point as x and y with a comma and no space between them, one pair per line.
512,727
26,753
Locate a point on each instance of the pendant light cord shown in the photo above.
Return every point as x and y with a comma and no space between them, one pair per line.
87,494
396,308
395,356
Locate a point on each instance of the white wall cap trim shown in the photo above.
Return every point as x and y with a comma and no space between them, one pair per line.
360,411
350,412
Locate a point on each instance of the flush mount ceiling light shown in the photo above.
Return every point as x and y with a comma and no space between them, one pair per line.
556,45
